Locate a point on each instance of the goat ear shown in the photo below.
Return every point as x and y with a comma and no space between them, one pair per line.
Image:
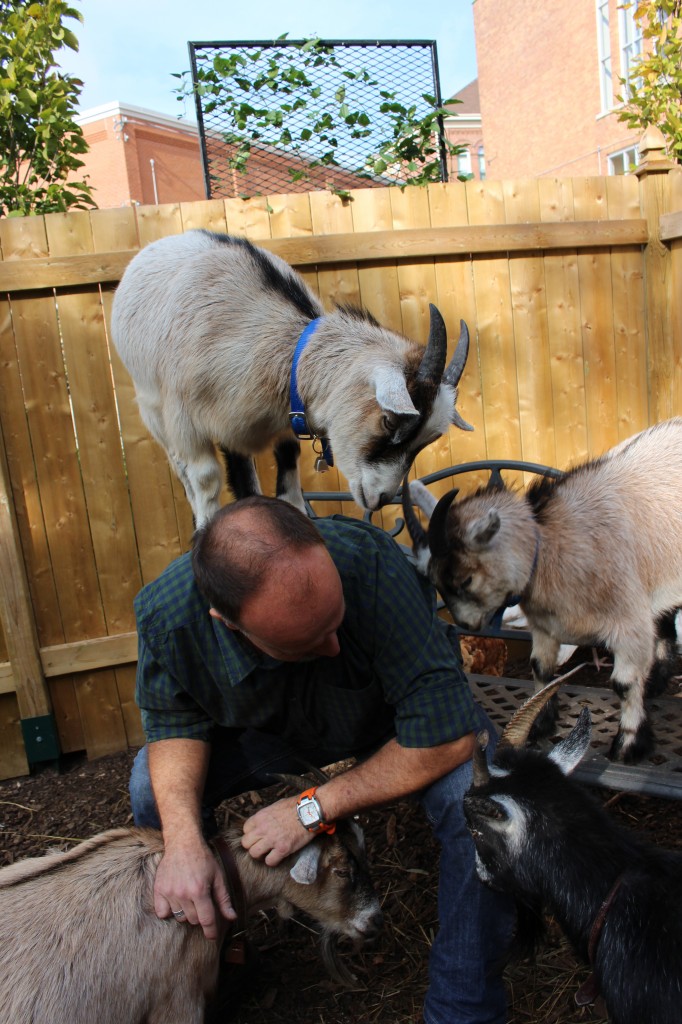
391,392
304,871
569,752
481,532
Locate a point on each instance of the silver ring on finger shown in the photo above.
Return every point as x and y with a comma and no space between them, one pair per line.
179,914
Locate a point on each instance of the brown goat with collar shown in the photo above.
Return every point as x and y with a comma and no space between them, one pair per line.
593,558
80,942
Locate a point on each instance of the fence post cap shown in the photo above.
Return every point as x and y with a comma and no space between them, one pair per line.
652,152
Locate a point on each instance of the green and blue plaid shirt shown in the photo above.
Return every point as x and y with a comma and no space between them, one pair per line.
398,672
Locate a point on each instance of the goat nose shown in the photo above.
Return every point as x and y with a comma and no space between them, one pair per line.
384,499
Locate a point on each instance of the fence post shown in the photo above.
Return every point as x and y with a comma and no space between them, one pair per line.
16,613
654,194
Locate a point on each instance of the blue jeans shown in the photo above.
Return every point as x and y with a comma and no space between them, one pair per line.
475,923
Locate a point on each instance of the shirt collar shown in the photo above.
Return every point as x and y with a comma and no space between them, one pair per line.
241,658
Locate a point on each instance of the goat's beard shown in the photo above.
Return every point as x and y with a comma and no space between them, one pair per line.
329,945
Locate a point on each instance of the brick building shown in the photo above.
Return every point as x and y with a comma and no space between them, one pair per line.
464,129
549,80
140,156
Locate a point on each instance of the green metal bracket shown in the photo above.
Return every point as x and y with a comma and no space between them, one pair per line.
40,738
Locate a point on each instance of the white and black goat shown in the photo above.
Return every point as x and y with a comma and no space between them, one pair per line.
80,942
207,326
593,558
542,838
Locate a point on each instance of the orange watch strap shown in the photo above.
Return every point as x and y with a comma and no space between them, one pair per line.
323,826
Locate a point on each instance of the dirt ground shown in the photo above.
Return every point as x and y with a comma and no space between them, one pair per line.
55,808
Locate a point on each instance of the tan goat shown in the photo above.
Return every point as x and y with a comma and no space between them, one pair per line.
593,558
80,942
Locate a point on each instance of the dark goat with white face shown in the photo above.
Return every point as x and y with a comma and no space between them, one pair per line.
593,558
207,325
540,837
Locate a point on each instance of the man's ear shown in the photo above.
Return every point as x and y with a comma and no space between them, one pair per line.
221,618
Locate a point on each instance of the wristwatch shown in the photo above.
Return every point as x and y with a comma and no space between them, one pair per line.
310,813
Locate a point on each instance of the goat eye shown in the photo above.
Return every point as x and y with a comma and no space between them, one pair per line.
465,584
387,423
342,872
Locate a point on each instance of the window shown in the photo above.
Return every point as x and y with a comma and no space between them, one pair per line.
481,163
464,162
604,50
630,43
624,161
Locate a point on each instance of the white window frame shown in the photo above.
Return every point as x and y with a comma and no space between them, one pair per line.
480,156
631,153
630,43
464,161
604,52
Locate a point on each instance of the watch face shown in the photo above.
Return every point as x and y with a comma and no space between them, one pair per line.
309,813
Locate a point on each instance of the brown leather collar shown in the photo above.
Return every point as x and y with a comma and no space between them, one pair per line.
235,950
589,990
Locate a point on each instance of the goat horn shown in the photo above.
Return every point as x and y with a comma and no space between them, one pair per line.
436,532
433,361
455,367
517,729
480,761
414,527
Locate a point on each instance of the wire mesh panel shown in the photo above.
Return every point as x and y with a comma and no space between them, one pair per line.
295,116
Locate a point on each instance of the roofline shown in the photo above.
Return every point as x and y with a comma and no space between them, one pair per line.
466,120
133,113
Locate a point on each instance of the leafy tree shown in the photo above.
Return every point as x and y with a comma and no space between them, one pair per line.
654,92
39,140
278,98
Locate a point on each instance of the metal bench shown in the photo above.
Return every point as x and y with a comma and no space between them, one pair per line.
660,775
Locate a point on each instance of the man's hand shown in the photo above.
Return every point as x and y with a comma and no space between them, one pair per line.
189,878
274,832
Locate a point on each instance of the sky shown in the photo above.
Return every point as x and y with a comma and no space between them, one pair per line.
129,49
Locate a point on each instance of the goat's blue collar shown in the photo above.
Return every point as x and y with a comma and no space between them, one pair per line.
297,417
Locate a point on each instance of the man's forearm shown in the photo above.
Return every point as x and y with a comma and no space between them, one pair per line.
177,768
393,772
389,774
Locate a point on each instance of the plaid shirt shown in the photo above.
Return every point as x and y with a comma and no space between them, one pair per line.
398,671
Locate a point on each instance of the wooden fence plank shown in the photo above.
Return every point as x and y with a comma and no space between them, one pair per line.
675,201
562,286
596,306
16,611
496,332
208,214
671,225
378,282
654,176
629,322
531,332
457,301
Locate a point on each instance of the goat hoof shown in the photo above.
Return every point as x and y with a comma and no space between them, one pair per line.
641,747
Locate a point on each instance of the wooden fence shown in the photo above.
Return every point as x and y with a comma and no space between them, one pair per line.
573,292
